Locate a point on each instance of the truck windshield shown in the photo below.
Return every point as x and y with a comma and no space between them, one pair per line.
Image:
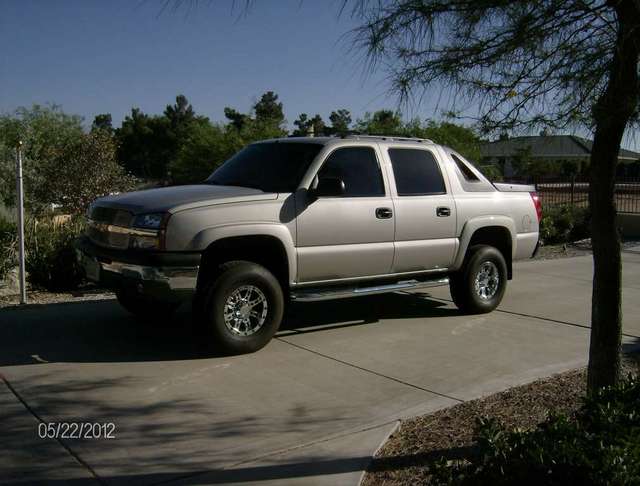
270,167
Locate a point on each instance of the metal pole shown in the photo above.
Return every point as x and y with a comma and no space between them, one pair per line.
19,191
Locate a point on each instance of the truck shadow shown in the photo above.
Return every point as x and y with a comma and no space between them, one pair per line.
100,331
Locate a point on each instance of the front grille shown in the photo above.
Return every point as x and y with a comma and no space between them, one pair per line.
100,235
101,227
118,217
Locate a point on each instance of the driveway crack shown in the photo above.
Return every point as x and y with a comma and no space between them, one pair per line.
531,316
381,375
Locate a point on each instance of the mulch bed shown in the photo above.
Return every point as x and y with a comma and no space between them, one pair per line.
449,432
576,248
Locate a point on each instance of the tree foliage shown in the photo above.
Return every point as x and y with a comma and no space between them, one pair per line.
148,144
205,149
306,126
269,111
103,122
83,169
340,121
528,63
382,122
41,129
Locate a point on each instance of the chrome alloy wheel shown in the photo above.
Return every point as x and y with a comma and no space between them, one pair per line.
487,280
245,310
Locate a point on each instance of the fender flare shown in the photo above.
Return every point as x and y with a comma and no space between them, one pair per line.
474,224
206,237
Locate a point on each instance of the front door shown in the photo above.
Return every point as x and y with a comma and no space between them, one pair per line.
349,235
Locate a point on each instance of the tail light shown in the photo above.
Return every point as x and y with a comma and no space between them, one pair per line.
538,205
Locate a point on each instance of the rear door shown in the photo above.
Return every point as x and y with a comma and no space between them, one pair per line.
425,235
350,235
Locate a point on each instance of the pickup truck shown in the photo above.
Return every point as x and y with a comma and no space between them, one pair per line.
309,219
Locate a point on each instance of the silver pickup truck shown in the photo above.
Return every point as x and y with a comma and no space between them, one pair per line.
309,219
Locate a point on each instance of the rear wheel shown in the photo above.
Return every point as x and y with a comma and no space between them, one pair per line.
242,307
480,285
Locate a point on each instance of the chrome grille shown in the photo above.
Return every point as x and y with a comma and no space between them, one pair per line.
118,217
105,227
102,235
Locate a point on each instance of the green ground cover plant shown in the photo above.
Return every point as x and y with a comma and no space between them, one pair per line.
600,445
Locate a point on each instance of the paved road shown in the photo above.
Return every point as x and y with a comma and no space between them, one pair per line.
309,409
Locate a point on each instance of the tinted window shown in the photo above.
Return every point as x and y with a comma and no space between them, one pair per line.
358,168
466,172
270,167
416,172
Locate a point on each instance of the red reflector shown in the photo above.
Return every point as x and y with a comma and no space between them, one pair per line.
538,205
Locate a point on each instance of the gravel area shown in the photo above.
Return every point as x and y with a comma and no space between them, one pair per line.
449,432
41,297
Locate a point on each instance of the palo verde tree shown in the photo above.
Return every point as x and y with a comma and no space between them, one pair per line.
529,65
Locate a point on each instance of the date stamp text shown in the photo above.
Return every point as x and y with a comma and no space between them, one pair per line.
77,430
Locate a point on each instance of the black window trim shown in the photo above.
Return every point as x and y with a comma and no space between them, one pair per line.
375,154
435,158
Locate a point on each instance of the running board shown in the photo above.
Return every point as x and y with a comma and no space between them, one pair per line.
328,293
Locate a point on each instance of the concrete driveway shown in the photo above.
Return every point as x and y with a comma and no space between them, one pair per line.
310,408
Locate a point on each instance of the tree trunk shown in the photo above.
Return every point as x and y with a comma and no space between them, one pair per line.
612,113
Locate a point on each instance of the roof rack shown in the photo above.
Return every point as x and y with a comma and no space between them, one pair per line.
391,138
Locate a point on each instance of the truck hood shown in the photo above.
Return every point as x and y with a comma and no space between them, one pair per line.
177,198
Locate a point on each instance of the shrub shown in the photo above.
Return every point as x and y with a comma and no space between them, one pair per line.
50,255
80,171
601,445
563,224
61,164
8,246
491,172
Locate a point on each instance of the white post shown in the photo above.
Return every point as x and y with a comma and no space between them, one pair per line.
20,205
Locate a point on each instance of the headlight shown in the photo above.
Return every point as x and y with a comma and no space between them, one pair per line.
149,221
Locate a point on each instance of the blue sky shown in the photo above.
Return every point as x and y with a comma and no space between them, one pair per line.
95,57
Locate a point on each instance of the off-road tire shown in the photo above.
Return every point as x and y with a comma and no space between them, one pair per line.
215,296
462,284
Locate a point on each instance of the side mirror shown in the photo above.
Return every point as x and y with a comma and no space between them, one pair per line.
329,187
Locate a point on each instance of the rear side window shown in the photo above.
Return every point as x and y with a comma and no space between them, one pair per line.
464,169
359,170
416,172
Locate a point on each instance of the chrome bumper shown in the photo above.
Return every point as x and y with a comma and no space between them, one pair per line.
171,278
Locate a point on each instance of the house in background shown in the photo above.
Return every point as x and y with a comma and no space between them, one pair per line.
546,154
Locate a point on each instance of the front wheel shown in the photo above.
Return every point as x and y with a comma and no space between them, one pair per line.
243,307
480,285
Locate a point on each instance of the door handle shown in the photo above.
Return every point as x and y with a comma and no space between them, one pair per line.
384,213
443,211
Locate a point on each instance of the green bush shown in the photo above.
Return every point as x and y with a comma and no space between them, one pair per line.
50,255
599,446
8,239
563,224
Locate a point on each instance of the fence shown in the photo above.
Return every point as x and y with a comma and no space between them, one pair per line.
575,191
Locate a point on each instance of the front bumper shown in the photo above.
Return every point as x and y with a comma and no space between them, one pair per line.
170,276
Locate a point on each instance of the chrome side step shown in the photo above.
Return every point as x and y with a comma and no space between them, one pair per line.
328,293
